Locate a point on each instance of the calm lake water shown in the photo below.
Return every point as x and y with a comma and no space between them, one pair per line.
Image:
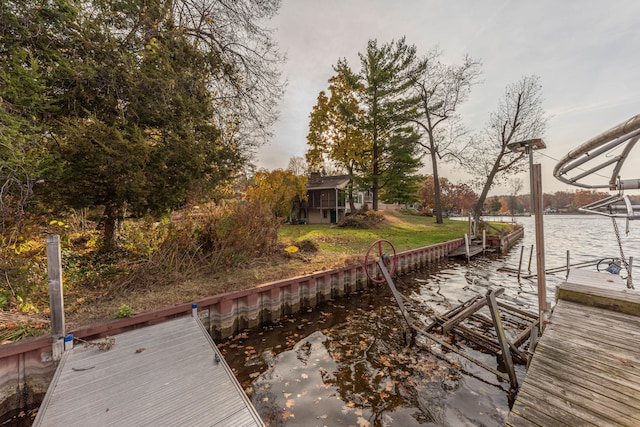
346,363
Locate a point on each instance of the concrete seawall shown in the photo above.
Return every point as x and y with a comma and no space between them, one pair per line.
26,367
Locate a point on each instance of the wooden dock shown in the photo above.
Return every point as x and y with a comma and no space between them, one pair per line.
586,367
166,374
475,248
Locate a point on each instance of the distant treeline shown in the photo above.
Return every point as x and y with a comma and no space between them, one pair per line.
560,201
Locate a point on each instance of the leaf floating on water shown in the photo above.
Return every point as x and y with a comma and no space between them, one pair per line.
287,414
140,350
363,423
254,375
290,403
304,376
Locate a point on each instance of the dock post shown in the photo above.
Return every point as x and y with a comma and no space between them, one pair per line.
520,263
502,338
467,251
568,264
484,241
542,279
629,278
533,342
56,300
530,257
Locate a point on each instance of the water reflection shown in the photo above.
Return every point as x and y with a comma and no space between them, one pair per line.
354,369
346,363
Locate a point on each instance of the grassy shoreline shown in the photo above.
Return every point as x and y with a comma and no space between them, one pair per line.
321,247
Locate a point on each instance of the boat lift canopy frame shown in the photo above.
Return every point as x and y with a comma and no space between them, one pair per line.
625,134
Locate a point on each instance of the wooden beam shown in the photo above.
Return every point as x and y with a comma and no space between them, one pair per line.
448,325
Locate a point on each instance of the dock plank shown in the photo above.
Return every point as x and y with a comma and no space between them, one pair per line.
166,374
586,367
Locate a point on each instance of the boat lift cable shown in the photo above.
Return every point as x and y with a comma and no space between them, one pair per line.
622,258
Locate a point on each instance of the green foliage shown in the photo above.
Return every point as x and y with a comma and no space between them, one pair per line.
123,311
26,62
495,205
5,297
383,106
208,238
128,106
23,276
276,191
400,180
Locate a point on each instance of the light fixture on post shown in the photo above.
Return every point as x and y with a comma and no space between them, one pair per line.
528,146
535,178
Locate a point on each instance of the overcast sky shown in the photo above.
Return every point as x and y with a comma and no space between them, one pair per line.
586,53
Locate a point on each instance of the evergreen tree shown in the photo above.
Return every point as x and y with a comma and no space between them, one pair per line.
138,101
400,180
382,88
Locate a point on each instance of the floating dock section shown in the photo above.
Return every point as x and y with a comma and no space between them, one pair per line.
586,367
170,373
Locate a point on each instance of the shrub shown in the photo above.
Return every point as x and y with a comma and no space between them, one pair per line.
207,238
123,311
362,219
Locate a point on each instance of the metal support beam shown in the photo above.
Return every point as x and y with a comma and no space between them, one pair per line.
502,339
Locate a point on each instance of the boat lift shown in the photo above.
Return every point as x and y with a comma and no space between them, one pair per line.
451,323
614,146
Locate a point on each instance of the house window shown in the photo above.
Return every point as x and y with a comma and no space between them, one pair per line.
324,213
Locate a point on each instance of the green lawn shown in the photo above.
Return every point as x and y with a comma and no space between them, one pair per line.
404,231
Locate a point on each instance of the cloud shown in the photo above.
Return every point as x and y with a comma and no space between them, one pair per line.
584,53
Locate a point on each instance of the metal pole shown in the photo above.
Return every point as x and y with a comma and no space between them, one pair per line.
502,338
394,290
531,201
56,302
542,283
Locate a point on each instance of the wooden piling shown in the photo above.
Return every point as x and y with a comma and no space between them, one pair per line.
520,263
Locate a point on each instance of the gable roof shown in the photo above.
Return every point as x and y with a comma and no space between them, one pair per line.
319,182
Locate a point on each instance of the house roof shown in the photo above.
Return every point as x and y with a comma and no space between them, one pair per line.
319,182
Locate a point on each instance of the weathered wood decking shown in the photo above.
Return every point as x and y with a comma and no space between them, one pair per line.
586,367
166,374
475,248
